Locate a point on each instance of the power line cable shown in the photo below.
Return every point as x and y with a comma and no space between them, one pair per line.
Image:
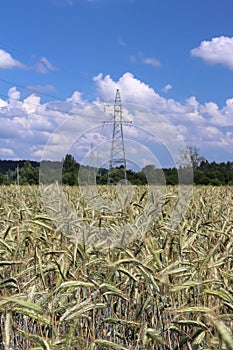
67,72
11,83
33,104
74,114
14,49
30,89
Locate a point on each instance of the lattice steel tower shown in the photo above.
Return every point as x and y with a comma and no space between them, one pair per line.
117,155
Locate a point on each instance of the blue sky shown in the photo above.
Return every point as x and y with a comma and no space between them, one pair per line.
60,57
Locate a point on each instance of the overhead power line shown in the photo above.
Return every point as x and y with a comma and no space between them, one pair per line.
30,89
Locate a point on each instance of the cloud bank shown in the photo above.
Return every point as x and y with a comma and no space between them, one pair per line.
27,124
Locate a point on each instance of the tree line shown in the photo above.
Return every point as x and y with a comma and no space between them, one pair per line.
27,172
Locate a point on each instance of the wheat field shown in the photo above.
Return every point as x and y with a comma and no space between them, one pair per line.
170,289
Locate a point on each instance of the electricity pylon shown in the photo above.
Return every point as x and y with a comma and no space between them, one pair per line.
117,155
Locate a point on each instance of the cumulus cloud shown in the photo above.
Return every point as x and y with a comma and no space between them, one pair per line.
219,50
199,124
220,117
30,103
106,88
27,124
135,91
13,94
8,62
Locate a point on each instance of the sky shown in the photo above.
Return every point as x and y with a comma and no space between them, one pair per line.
60,59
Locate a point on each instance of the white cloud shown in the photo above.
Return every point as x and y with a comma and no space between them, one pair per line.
223,144
13,94
44,66
219,50
197,124
132,89
30,103
75,98
219,117
8,62
26,124
2,103
151,61
167,87
139,57
6,152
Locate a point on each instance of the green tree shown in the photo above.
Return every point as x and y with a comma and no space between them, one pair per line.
140,178
28,174
70,171
215,182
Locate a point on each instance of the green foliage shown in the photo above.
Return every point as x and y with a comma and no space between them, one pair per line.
28,174
205,173
70,171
